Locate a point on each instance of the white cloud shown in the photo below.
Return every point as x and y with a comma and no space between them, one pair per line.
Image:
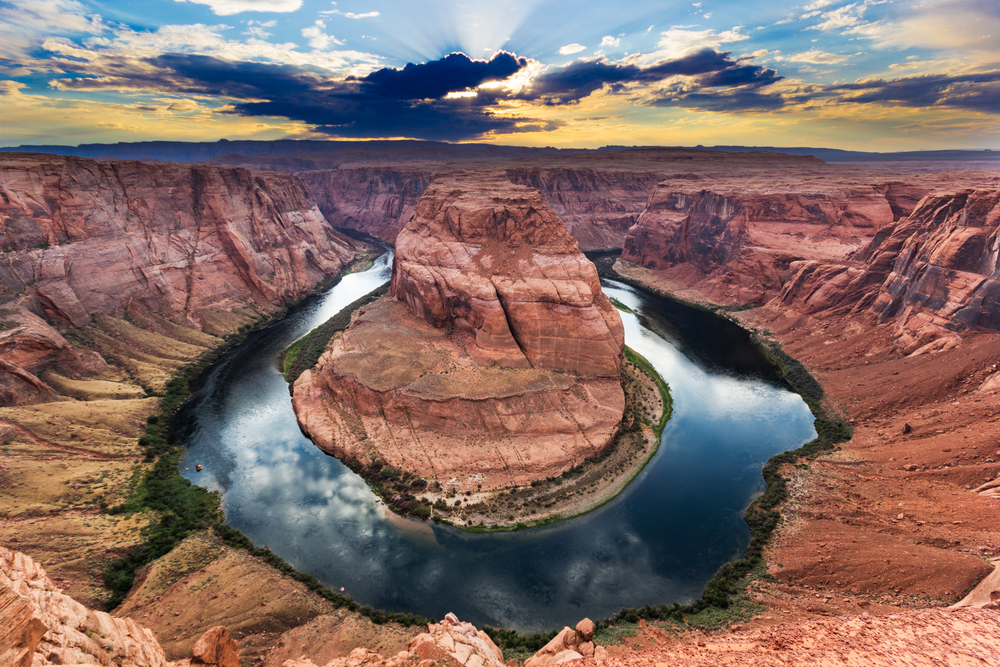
680,41
570,49
819,4
317,38
229,7
708,15
816,57
350,15
842,17
258,30
107,58
24,25
756,54
608,40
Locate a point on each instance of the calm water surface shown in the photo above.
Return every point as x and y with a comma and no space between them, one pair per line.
659,541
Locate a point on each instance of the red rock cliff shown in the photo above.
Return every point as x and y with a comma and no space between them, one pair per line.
83,237
737,239
497,362
934,273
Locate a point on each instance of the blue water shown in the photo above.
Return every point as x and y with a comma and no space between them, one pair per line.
659,541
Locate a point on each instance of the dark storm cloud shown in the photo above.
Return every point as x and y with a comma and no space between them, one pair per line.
407,102
437,78
716,82
976,92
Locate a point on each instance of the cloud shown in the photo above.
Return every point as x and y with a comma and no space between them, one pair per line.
843,17
692,80
230,7
608,40
111,61
24,24
319,39
816,57
570,49
680,41
350,15
977,91
409,102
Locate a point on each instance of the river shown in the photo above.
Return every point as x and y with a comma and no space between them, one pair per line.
659,541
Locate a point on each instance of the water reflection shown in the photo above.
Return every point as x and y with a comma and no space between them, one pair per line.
659,541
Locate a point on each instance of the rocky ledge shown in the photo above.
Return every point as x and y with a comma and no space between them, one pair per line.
494,362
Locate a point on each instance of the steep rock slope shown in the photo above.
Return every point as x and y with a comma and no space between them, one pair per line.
597,205
934,273
374,200
43,626
512,352
83,237
737,237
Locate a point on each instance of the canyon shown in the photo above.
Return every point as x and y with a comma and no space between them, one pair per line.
116,274
494,361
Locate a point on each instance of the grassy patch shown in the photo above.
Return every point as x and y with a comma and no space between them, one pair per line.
612,635
619,305
668,401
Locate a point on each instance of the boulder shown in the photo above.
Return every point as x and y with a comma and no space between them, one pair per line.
569,644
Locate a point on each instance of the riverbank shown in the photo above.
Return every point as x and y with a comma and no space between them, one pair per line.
892,518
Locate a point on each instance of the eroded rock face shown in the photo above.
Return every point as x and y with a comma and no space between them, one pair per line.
597,205
934,273
491,259
42,626
450,643
569,645
374,200
497,361
83,237
738,239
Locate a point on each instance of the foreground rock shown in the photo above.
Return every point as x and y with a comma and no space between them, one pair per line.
449,643
495,363
570,644
42,626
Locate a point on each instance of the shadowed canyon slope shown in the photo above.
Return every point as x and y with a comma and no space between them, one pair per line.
496,359
201,246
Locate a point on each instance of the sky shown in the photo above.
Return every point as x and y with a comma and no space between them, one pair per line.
878,75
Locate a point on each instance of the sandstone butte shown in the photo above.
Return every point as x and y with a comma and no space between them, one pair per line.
201,246
494,361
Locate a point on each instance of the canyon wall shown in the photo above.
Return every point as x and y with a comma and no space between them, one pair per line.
934,273
494,362
374,200
82,237
202,246
597,205
737,240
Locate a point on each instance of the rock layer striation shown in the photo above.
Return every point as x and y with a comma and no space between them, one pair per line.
494,362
